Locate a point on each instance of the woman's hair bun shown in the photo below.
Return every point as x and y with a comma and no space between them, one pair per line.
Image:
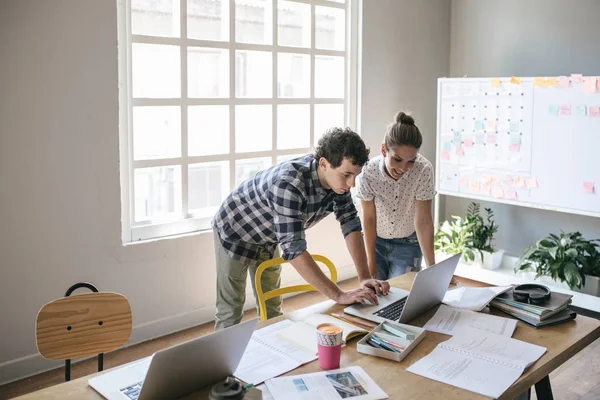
404,118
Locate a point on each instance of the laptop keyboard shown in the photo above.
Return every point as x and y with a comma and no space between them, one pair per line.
133,391
392,311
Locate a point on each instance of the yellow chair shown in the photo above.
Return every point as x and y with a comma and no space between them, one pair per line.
263,297
83,325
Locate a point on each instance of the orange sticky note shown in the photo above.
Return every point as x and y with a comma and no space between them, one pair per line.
495,180
539,81
519,182
474,185
498,193
490,125
485,189
588,187
515,80
511,194
531,183
496,82
576,78
463,181
550,81
445,155
564,81
590,85
487,179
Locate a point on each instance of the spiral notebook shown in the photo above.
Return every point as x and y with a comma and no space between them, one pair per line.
478,361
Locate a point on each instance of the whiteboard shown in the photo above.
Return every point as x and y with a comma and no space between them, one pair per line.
532,142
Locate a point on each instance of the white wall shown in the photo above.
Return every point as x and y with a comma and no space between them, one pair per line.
526,38
59,165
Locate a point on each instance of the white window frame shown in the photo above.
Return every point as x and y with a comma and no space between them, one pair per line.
134,232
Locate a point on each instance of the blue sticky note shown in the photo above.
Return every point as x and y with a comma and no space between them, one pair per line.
478,125
447,146
457,140
479,138
580,111
553,109
515,138
514,127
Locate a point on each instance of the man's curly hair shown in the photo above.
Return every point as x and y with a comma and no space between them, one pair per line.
337,144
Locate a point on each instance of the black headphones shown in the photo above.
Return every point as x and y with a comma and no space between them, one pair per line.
532,293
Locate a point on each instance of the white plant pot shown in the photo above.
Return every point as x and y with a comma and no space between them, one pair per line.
592,286
490,261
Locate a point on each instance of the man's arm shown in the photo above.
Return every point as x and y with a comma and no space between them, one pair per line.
369,218
425,231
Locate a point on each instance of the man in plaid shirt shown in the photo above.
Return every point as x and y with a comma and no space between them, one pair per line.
274,208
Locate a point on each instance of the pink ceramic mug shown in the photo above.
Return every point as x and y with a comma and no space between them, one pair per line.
329,345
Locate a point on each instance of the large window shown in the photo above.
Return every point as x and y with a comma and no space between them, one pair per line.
212,91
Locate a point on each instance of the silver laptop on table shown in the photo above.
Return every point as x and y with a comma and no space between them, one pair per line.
178,370
427,291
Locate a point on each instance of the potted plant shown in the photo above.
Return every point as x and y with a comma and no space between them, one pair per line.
568,258
455,237
482,241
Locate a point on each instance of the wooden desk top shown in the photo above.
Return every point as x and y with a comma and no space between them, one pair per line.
561,341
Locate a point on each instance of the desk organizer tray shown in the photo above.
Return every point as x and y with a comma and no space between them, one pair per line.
364,347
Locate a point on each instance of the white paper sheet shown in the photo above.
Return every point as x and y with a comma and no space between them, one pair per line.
351,382
450,321
470,298
266,356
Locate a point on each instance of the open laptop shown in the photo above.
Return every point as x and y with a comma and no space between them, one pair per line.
178,370
427,291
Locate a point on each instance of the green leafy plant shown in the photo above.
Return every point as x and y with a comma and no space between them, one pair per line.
567,258
483,229
455,237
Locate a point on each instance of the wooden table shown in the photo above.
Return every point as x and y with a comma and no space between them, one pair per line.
562,341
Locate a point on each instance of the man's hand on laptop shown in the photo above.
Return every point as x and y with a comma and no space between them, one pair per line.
381,288
360,295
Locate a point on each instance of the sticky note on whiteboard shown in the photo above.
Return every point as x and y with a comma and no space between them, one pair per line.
460,151
468,142
498,193
531,183
445,155
515,80
474,185
594,111
495,180
485,189
539,82
576,78
564,82
511,194
588,187
463,181
519,181
590,85
553,109
496,82
491,138
580,111
565,110
515,148
515,138
550,81
490,125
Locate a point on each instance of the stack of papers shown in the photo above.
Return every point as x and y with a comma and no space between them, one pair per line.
474,299
451,321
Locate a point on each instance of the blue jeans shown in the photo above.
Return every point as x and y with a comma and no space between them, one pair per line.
397,256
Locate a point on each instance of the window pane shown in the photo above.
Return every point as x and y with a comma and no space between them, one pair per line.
330,28
327,116
247,168
253,128
293,75
156,132
155,18
288,157
207,188
156,71
157,193
208,19
329,77
208,72
293,126
293,24
253,74
208,130
254,21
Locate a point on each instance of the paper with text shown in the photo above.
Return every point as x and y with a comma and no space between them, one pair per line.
452,321
470,298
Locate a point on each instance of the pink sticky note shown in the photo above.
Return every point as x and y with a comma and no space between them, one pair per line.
485,189
531,183
495,180
515,148
491,138
468,142
588,187
511,194
463,181
564,82
445,155
577,77
507,181
460,151
490,125
590,85
498,193
519,182
474,185
565,109
594,111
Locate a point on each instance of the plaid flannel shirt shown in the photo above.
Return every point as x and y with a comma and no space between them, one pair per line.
275,207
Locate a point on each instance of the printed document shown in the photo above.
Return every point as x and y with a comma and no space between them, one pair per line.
450,321
470,298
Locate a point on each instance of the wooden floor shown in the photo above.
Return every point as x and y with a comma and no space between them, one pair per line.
578,378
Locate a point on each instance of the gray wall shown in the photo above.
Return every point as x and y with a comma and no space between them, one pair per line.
525,38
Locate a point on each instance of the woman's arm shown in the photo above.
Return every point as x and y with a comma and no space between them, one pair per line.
425,231
369,220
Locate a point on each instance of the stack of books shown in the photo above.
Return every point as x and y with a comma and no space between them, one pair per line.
553,311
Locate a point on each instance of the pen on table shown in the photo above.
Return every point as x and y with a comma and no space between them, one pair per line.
375,344
399,346
384,345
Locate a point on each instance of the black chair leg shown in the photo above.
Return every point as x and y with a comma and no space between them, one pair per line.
543,390
100,362
67,370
